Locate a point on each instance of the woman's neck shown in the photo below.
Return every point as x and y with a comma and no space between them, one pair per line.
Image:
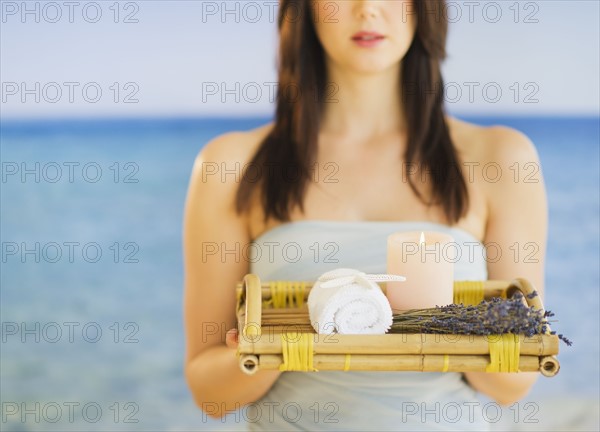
364,106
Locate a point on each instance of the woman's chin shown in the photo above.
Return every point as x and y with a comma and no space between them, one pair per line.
372,67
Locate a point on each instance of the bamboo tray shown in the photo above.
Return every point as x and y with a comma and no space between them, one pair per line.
265,332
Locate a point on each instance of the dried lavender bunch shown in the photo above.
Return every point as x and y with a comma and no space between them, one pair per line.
495,316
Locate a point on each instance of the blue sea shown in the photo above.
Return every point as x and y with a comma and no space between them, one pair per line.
91,301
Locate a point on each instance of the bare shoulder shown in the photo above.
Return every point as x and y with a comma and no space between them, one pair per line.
238,146
218,167
501,145
226,155
502,163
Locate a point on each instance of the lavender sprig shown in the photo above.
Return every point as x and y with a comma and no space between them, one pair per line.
494,316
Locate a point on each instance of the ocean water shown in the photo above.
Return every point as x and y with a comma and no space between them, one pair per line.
91,299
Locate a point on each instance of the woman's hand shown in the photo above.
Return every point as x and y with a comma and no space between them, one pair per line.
231,338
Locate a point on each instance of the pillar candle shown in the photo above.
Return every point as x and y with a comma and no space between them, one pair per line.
421,258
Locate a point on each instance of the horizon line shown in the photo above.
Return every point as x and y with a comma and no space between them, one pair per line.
189,117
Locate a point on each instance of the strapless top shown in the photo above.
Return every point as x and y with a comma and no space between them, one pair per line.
303,250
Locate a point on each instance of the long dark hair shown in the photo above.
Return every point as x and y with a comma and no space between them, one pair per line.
291,146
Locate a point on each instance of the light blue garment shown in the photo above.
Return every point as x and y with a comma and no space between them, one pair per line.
360,401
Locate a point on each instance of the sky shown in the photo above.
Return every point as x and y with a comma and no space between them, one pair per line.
217,58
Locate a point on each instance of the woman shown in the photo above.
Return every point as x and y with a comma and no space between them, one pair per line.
360,148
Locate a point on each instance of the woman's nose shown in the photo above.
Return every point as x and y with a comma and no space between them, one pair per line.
365,9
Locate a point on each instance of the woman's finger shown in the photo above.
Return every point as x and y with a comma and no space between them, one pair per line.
231,338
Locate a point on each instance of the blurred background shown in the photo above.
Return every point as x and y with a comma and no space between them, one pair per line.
104,108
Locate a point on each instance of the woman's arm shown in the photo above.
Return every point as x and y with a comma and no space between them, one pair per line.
213,235
516,227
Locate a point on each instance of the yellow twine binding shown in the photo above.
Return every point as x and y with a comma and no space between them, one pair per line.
504,353
468,292
297,350
446,363
286,294
347,363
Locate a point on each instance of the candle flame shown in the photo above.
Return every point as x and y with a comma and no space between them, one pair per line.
422,240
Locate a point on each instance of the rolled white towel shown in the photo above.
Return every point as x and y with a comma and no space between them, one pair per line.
348,301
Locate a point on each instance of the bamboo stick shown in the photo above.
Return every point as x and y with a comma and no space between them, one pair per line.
280,316
251,329
549,366
249,363
526,288
385,362
492,288
398,343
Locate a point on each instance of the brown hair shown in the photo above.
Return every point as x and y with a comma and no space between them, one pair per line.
291,146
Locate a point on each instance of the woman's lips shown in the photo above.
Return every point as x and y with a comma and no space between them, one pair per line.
367,39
